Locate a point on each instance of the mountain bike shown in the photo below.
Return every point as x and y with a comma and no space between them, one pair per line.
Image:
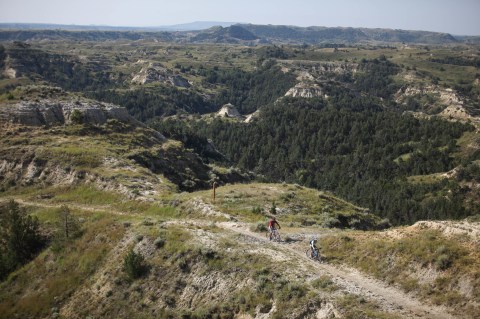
275,236
315,256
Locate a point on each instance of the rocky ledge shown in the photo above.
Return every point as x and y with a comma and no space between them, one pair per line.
228,110
53,112
306,90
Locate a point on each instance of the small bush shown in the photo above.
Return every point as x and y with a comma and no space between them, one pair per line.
383,224
262,282
324,283
259,227
183,265
257,210
331,222
76,117
138,238
291,291
443,262
147,222
273,209
134,265
209,253
159,242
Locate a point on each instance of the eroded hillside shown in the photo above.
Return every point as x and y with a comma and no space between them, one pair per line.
206,259
114,147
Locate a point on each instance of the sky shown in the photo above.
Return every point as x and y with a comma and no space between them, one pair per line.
458,17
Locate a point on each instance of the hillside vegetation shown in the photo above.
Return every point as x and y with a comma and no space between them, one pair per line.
109,151
193,260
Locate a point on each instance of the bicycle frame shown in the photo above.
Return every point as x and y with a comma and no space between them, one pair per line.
274,235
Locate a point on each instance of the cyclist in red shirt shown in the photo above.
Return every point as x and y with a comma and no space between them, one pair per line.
271,226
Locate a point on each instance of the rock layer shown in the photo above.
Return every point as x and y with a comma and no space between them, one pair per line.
50,112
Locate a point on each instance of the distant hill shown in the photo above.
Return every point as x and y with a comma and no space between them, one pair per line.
197,25
72,27
389,35
93,35
230,34
226,32
192,26
316,35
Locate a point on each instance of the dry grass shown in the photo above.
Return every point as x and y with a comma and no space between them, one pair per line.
424,261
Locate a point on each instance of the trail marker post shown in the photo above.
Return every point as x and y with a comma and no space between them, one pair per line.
214,186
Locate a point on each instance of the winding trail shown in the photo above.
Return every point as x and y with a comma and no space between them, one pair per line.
390,298
93,209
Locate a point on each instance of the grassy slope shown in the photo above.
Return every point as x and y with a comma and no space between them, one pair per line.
85,277
436,266
200,270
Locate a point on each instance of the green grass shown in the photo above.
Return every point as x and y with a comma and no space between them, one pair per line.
32,290
296,204
86,195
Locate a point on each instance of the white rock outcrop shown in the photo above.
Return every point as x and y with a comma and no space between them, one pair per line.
228,110
306,90
56,112
252,117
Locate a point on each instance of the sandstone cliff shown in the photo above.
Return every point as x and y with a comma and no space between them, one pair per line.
53,112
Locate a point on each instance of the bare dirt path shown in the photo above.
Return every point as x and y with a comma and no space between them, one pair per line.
390,298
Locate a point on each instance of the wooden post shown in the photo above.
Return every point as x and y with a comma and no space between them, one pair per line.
214,185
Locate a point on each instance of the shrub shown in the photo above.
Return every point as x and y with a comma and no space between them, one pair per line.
331,222
291,291
257,210
273,209
324,283
443,262
259,227
159,242
138,238
383,224
20,237
76,117
147,222
183,265
134,265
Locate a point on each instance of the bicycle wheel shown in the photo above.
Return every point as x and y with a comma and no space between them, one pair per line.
276,236
307,252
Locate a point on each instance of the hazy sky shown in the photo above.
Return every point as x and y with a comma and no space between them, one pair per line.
452,16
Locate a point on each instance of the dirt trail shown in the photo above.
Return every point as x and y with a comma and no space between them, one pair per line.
390,298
